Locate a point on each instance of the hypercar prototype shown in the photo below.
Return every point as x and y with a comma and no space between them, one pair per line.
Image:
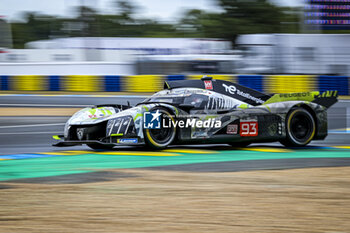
203,111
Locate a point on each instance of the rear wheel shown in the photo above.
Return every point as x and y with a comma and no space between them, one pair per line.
300,128
163,137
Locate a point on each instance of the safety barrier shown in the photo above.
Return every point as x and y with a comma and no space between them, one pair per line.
153,83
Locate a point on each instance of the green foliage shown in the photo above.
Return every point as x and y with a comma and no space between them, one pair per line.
237,17
241,17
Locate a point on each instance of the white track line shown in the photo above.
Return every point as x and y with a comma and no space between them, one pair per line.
36,125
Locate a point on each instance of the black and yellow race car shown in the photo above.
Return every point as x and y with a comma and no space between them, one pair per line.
203,111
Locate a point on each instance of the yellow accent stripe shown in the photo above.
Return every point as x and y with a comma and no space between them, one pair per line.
137,116
243,106
79,152
290,83
46,95
329,94
344,129
342,147
116,134
132,153
143,83
304,96
289,121
56,137
82,83
149,137
67,153
190,151
54,153
268,108
138,153
265,149
28,83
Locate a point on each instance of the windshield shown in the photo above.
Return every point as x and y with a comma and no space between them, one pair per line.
191,96
196,97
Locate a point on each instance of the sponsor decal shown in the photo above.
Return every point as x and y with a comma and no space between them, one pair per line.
151,120
199,134
291,95
234,91
127,140
232,129
208,85
230,89
191,123
248,128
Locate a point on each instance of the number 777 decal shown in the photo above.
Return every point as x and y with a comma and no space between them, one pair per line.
248,128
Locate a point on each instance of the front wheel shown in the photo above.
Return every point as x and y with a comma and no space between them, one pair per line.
163,137
300,128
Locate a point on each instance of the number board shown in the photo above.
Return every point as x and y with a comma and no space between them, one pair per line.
248,128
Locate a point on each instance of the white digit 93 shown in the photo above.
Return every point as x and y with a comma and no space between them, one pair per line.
245,128
249,128
253,128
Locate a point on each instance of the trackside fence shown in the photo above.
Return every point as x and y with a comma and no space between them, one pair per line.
153,83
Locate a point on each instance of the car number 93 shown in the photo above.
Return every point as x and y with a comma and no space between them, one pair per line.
248,128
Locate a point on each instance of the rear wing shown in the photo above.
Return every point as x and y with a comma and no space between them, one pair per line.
326,98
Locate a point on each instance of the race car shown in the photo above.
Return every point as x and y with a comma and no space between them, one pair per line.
203,111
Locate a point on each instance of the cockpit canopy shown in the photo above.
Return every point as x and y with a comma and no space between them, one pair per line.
195,97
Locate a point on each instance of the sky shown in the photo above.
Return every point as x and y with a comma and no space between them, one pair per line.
162,10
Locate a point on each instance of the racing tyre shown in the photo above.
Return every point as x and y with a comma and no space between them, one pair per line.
163,137
99,147
300,128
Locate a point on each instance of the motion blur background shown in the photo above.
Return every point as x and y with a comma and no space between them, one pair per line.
58,56
133,46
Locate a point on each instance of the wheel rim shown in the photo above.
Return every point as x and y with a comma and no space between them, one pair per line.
162,136
301,127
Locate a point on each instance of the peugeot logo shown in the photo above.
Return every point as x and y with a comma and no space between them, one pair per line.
80,133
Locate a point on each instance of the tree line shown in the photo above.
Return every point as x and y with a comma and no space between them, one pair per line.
237,17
